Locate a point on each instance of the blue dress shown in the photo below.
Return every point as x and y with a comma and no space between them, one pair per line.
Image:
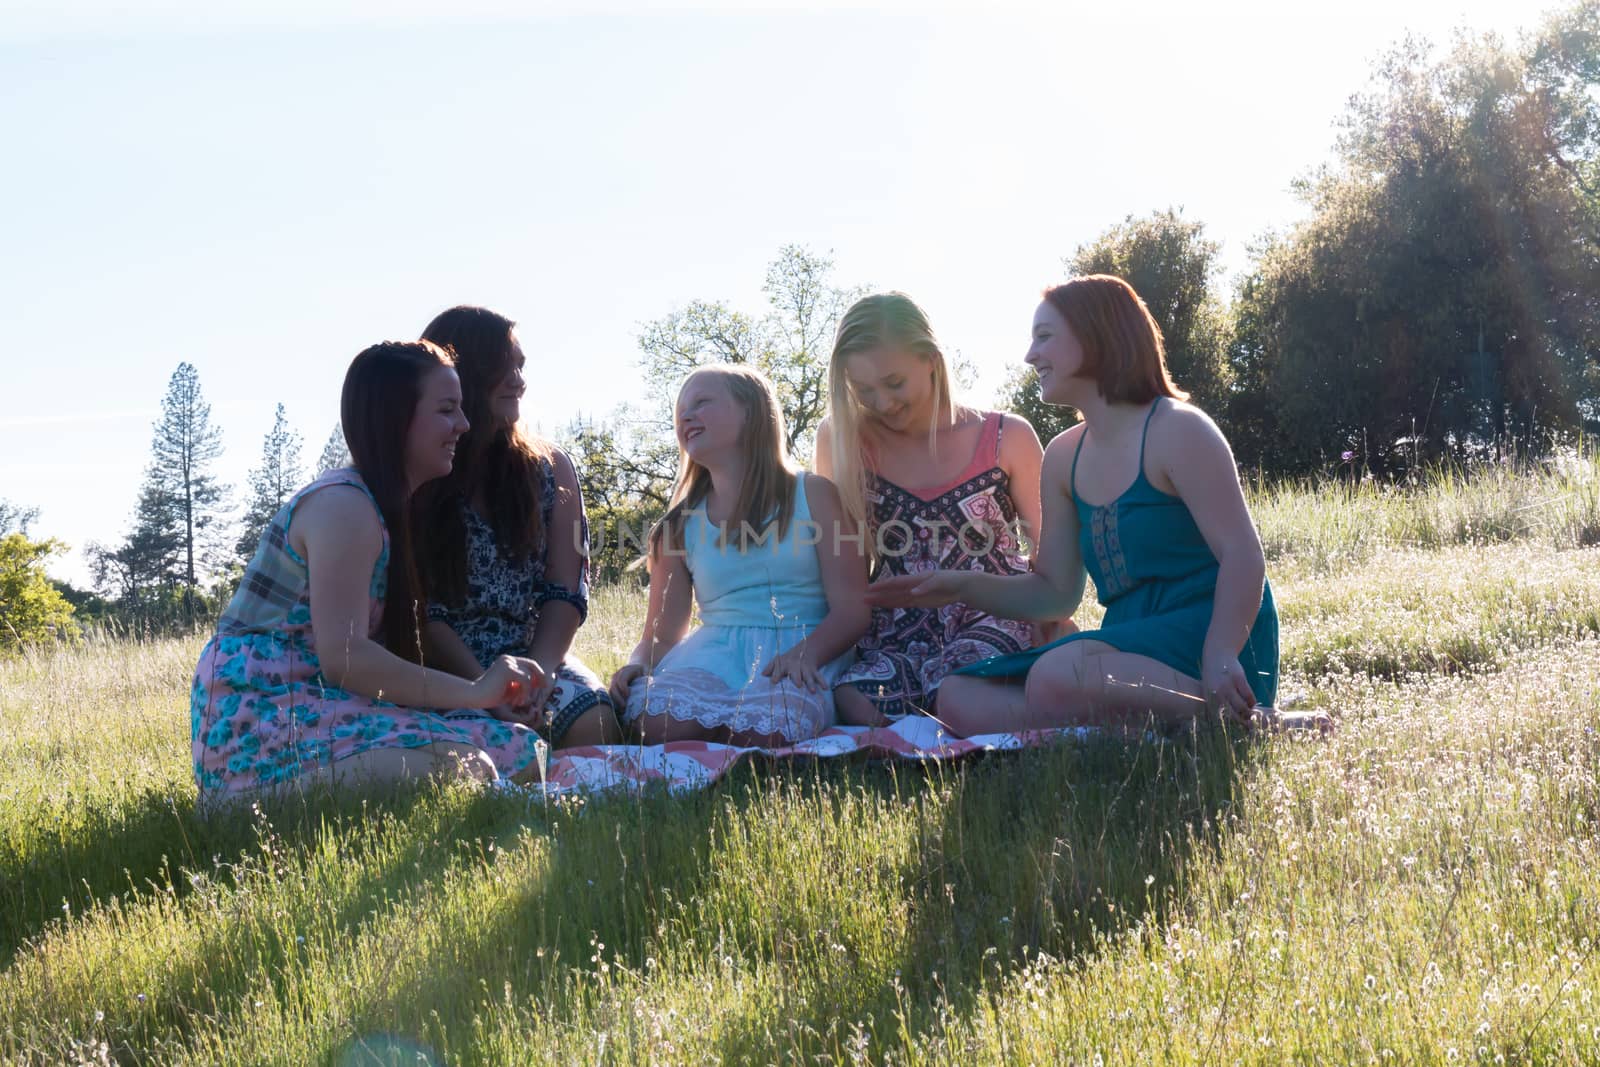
755,602
1157,579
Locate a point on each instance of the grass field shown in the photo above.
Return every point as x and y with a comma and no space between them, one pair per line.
1423,887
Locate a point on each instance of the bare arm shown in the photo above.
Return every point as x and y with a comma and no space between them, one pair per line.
666,620
1196,458
844,582
337,533
1054,588
1022,457
443,647
565,565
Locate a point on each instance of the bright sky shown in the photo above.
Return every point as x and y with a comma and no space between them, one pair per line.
266,189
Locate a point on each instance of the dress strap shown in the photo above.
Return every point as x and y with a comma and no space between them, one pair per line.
989,440
1076,452
1145,436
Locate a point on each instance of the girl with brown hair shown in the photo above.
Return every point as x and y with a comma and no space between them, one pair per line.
314,673
503,542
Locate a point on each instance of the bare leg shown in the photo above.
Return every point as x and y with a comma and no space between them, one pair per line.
393,766
854,708
1090,683
967,706
597,726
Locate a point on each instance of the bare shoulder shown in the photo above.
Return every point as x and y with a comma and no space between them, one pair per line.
345,504
336,514
821,494
1017,436
566,473
1056,469
1063,443
1187,450
1182,427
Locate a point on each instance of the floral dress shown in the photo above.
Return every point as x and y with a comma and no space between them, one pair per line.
261,713
500,613
969,524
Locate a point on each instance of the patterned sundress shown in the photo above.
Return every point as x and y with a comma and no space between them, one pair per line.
260,711
754,604
1157,578
500,613
969,524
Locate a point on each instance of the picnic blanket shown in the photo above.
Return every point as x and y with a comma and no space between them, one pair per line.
687,765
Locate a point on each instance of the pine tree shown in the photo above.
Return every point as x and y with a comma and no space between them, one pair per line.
335,453
182,451
144,573
271,484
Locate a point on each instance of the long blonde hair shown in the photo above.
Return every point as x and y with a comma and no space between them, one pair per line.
880,319
766,495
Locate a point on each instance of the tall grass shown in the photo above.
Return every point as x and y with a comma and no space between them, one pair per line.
1422,887
1327,525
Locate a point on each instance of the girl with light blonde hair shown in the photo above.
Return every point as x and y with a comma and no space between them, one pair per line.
935,484
755,543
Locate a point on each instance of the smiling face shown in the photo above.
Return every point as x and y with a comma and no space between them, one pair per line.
894,386
505,396
708,420
1055,355
437,424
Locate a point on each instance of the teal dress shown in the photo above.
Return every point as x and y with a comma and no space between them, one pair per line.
1157,579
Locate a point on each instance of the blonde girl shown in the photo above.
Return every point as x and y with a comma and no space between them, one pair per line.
765,552
935,484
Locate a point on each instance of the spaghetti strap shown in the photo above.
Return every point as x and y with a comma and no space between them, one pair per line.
1145,436
1073,481
992,423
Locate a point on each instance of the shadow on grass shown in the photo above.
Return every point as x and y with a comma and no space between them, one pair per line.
1042,851
276,842
1045,850
1015,854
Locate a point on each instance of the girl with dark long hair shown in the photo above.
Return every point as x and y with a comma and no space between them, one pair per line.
315,672
503,542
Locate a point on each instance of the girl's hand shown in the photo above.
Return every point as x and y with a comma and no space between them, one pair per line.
1052,630
933,589
540,696
795,664
522,716
1223,684
622,680
507,681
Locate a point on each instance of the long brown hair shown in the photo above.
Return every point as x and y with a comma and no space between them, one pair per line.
766,495
1123,352
881,319
376,406
502,460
